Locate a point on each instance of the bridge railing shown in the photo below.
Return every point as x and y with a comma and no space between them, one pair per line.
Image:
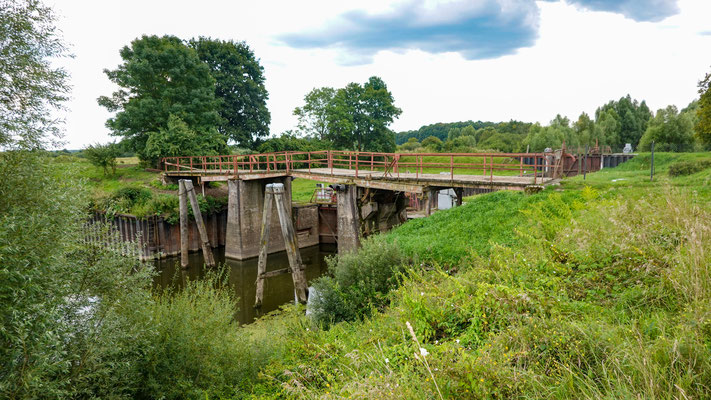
334,162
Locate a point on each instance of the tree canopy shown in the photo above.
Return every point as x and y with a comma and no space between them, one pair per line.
30,86
670,131
239,89
215,88
355,117
160,77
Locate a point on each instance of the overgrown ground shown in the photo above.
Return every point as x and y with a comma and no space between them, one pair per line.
594,289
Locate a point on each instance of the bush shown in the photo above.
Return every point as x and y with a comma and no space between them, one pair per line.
197,349
102,156
359,282
683,168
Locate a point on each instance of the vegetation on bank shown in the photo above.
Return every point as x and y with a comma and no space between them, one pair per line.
593,293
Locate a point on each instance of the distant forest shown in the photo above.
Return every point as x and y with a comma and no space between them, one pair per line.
614,124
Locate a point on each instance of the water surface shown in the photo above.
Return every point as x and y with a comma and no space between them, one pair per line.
278,290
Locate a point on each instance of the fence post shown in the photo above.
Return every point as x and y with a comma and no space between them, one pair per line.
651,169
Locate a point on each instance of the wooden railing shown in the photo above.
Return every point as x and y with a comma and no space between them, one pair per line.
390,164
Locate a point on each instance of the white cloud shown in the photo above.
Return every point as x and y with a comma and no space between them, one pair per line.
581,60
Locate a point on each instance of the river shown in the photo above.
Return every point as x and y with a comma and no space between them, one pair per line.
278,290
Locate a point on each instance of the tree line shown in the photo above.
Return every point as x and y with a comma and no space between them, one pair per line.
614,124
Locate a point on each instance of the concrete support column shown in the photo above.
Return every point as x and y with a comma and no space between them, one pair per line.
233,231
244,217
347,219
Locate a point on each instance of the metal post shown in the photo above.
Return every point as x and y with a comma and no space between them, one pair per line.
585,162
651,169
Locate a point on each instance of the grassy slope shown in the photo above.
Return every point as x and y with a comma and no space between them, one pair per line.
601,292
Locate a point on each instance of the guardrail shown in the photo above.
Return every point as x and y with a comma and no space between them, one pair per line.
390,164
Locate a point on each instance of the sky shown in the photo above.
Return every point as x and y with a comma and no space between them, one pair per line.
444,61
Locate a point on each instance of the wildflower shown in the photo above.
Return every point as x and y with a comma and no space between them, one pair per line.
457,341
424,351
387,361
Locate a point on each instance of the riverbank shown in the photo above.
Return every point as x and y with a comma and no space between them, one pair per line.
594,289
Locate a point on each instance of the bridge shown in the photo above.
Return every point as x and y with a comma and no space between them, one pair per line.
408,172
370,187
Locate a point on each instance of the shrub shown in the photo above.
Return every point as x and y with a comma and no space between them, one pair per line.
683,168
103,156
359,282
197,349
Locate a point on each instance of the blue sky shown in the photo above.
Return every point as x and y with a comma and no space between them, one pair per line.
443,60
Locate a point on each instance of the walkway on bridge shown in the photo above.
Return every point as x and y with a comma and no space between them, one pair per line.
406,172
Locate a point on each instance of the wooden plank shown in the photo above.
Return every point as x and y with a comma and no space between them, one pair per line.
204,241
183,202
263,245
291,242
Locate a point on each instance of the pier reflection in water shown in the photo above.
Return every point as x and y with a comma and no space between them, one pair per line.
278,290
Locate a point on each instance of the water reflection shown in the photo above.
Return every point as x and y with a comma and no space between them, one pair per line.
278,290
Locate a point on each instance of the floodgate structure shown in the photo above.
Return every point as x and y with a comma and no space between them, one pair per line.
370,191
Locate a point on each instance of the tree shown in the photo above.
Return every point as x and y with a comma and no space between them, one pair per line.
411,145
239,89
359,116
631,116
670,131
703,112
433,143
30,86
54,339
103,156
159,77
313,115
178,139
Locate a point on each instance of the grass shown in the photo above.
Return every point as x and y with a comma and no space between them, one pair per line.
302,190
586,292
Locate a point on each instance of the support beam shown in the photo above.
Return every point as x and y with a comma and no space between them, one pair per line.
204,240
428,202
347,219
275,193
264,245
291,242
183,202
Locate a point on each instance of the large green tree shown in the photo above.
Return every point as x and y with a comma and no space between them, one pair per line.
239,89
670,131
313,115
159,77
703,111
30,85
359,116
